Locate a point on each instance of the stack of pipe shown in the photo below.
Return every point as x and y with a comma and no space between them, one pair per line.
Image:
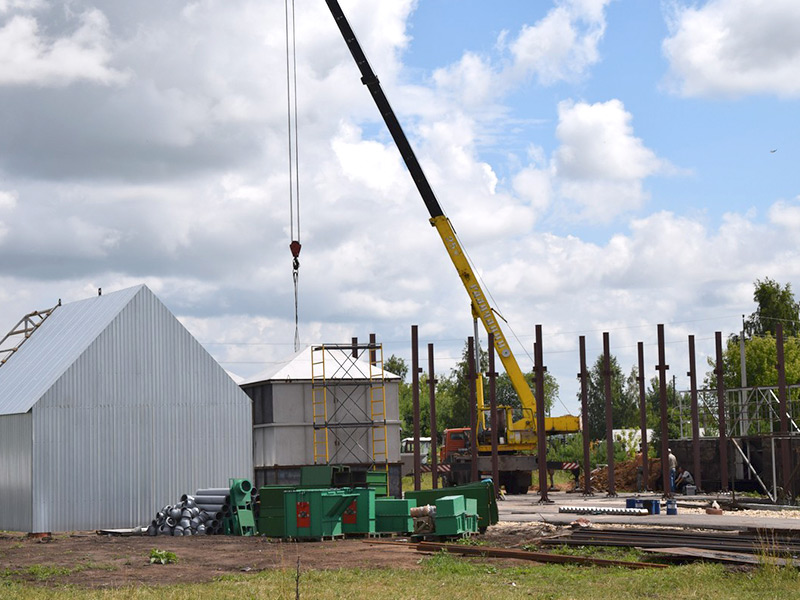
187,517
215,501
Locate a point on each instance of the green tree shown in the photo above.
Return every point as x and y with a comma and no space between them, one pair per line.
653,401
761,358
507,395
398,366
776,304
596,398
453,393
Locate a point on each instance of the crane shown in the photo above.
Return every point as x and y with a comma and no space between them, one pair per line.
520,434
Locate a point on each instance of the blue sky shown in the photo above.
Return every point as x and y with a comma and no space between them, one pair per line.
606,163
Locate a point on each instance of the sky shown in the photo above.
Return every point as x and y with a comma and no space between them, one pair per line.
608,165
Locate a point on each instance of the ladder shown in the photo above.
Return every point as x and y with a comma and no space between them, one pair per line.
319,405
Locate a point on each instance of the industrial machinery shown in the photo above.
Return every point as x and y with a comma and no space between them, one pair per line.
517,428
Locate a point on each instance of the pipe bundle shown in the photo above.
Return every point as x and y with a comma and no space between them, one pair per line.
187,517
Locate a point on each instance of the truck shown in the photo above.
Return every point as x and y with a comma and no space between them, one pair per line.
455,466
407,454
517,429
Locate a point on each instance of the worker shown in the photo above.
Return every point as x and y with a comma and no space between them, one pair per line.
684,478
673,467
638,461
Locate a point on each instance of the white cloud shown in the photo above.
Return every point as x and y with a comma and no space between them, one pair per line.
29,56
600,164
786,215
734,48
563,44
22,5
8,200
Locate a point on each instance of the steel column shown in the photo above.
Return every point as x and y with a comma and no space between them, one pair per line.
583,375
492,375
786,480
541,439
723,437
643,418
662,368
473,411
612,491
692,373
415,405
432,381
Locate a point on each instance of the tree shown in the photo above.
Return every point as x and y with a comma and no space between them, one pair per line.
776,304
596,398
453,394
507,395
653,402
398,366
761,358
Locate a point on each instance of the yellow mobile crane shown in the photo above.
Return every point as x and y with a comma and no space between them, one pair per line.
518,435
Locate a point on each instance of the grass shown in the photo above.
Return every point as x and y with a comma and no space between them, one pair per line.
426,482
445,576
605,552
48,572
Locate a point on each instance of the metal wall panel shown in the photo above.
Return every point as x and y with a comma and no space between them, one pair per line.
143,416
289,438
15,472
55,345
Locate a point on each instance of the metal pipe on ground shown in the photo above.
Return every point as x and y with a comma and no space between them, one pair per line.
213,508
209,499
212,492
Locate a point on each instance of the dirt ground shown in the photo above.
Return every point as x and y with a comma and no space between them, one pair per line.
97,561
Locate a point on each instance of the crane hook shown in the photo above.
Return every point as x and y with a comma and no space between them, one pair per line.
295,248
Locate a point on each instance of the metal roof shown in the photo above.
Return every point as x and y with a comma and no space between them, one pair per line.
297,367
55,345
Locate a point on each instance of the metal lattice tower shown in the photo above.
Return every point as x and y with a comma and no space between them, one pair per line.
348,396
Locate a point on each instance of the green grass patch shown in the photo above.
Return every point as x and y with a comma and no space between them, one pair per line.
604,552
426,482
446,576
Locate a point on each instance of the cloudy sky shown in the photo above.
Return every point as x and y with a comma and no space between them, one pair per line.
609,165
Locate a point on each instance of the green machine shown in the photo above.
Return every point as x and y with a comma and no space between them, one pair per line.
482,492
315,513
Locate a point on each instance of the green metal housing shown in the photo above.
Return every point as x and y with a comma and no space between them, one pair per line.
393,515
315,513
482,492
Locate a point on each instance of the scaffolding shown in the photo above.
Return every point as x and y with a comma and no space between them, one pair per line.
348,396
751,413
23,329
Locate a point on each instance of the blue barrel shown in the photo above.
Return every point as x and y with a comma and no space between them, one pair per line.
672,507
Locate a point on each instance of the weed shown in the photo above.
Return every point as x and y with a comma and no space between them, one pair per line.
472,541
45,572
162,557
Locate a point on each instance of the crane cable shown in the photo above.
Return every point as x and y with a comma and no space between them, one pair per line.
294,177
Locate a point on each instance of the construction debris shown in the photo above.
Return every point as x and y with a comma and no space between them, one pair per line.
543,557
624,476
747,542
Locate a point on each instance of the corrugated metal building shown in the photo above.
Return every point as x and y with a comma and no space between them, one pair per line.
110,411
283,421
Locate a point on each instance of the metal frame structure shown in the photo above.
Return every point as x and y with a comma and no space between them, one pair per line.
25,328
338,381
